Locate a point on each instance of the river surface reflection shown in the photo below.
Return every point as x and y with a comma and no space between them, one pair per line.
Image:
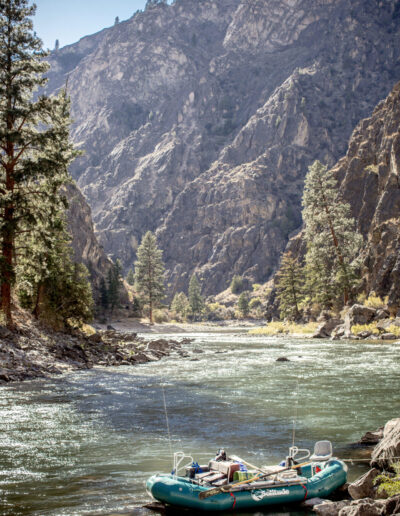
84,443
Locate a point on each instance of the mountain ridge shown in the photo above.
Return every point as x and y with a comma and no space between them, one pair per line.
178,143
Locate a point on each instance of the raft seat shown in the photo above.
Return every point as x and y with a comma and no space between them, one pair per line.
322,451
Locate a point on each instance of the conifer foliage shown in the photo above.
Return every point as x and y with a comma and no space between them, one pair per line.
196,301
289,287
149,273
332,240
35,151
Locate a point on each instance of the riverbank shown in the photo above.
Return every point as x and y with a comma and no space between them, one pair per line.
135,325
376,492
34,351
355,323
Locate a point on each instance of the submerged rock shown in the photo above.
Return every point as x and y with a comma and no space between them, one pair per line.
282,359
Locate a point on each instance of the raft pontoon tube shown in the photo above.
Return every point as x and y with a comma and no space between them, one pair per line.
316,479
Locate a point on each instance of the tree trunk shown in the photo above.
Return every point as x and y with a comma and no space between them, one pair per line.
39,298
7,238
151,312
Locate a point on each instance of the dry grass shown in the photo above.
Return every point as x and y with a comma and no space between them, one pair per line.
285,328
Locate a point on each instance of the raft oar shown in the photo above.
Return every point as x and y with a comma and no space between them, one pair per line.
228,488
238,459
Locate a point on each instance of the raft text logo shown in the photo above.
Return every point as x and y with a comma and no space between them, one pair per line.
259,494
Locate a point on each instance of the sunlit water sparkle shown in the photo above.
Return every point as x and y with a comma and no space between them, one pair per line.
84,443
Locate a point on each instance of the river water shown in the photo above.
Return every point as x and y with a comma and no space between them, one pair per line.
84,443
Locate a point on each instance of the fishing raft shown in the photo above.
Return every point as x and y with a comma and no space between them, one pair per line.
230,483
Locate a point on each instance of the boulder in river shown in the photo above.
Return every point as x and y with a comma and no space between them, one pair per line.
372,438
282,359
325,329
388,336
358,314
385,453
364,486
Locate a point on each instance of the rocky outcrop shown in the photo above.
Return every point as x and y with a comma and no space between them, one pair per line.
326,328
32,351
369,179
87,249
199,120
389,447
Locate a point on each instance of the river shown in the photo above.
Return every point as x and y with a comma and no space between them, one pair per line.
84,443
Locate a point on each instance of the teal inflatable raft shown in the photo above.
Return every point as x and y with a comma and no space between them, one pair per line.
225,486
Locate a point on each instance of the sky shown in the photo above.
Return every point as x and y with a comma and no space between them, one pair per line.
70,20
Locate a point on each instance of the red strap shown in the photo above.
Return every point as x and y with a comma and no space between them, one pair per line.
234,501
305,495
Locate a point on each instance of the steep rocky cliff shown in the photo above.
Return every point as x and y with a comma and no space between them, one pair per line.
199,120
369,178
87,249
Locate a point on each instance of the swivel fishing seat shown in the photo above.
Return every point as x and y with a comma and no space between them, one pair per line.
322,451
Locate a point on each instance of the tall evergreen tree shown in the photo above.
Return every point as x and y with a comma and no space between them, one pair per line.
114,285
289,286
34,140
149,272
332,240
57,45
180,304
196,301
103,294
243,304
130,277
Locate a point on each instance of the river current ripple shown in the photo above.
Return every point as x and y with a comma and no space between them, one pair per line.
84,443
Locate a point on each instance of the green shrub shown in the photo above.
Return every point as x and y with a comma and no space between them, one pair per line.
254,303
160,316
387,484
236,284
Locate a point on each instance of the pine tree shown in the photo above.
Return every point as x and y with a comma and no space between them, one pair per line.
243,304
34,138
49,283
149,272
180,304
289,286
114,285
332,240
236,284
57,45
196,301
116,21
130,278
103,294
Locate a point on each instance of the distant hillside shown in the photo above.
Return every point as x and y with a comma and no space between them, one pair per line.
199,121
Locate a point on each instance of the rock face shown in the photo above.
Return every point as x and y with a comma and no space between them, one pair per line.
369,175
199,120
87,249
388,447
